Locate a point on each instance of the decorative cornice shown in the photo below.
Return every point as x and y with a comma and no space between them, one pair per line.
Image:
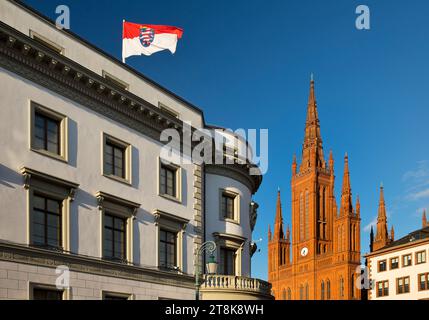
30,174
103,196
31,60
237,172
46,258
158,215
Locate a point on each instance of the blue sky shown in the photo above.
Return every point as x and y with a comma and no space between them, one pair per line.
247,64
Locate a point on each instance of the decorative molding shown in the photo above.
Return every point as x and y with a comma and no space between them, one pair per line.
162,215
77,263
253,214
31,174
102,197
237,172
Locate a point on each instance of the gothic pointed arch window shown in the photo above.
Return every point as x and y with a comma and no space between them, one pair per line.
352,286
301,217
328,289
307,214
289,294
306,291
322,290
284,294
341,287
301,292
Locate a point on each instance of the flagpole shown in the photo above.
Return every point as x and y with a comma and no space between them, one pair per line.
123,30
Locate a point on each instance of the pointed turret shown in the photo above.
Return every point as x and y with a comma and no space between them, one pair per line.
294,165
392,234
371,240
288,233
312,150
331,162
269,233
357,206
346,192
278,224
381,236
424,220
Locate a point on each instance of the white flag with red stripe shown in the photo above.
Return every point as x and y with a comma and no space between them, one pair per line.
138,39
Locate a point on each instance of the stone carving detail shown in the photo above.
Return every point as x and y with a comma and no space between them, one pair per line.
253,214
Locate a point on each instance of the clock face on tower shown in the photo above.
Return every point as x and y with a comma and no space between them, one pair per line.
304,251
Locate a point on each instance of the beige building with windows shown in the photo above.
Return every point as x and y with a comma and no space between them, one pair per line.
86,198
399,270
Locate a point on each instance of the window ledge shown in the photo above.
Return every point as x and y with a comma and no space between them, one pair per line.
230,221
50,154
118,179
168,197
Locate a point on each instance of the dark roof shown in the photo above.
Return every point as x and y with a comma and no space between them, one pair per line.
413,236
107,55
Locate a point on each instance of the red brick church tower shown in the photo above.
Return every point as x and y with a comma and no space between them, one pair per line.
325,241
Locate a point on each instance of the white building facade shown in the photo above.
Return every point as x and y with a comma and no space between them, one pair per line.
400,271
83,191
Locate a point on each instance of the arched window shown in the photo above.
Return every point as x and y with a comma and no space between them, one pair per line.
341,287
352,286
301,217
289,294
307,219
306,291
328,290
322,290
284,294
301,292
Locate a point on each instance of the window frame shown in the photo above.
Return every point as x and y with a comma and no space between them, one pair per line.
36,108
383,288
379,265
425,256
403,259
403,285
177,171
122,208
175,246
233,251
119,295
426,286
390,263
114,230
236,205
126,161
40,286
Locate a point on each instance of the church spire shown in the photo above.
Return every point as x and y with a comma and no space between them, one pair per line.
381,235
346,193
424,220
312,150
278,224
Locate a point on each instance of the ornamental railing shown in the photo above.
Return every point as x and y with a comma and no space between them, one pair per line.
226,282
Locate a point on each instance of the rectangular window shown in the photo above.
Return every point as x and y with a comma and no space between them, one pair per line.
47,294
46,222
227,261
423,281
228,209
47,133
167,181
403,285
406,260
114,160
394,263
420,257
114,243
382,266
115,296
167,249
383,288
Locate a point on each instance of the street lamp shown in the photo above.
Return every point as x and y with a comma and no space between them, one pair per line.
211,265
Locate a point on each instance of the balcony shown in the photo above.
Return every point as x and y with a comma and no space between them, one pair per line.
225,287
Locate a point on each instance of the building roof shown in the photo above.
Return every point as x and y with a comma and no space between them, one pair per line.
413,236
416,236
